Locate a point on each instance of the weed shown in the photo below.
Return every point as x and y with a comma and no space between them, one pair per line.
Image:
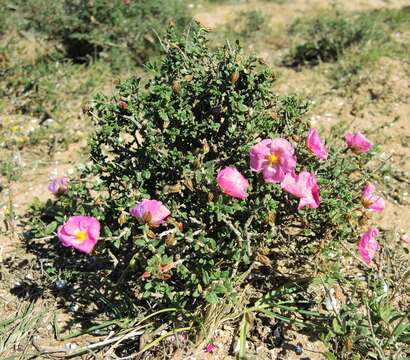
369,324
125,30
330,36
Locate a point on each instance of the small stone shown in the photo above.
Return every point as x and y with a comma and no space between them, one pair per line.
73,308
299,349
60,284
331,303
71,346
236,346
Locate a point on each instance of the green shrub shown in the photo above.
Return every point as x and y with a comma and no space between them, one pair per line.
167,139
88,28
327,37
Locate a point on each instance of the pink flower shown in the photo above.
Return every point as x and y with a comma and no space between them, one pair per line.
232,182
357,142
368,245
406,238
274,158
315,144
80,232
371,201
304,186
210,348
59,185
151,211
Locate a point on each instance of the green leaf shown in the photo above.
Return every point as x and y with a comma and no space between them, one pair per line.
243,332
140,242
336,327
329,356
50,228
212,298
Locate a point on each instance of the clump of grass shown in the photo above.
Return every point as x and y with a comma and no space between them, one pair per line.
41,90
18,331
330,36
115,29
374,321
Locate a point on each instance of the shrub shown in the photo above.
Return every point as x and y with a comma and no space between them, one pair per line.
88,28
327,37
167,139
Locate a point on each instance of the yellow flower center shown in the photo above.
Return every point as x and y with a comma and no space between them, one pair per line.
81,236
272,159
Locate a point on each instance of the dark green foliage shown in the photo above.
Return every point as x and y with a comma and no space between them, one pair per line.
88,28
327,37
166,140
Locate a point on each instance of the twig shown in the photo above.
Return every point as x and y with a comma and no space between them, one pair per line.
244,275
234,229
351,252
49,237
248,234
166,232
70,353
160,41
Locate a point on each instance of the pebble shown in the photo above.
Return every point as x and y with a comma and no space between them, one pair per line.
71,346
73,308
60,284
236,346
299,349
331,303
385,287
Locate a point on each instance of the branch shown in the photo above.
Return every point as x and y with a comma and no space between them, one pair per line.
65,352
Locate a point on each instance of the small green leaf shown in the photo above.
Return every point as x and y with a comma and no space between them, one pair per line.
51,228
336,327
329,356
211,298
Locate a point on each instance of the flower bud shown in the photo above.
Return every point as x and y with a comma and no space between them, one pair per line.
133,263
123,105
210,197
122,219
296,138
176,87
189,184
188,77
170,241
234,76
